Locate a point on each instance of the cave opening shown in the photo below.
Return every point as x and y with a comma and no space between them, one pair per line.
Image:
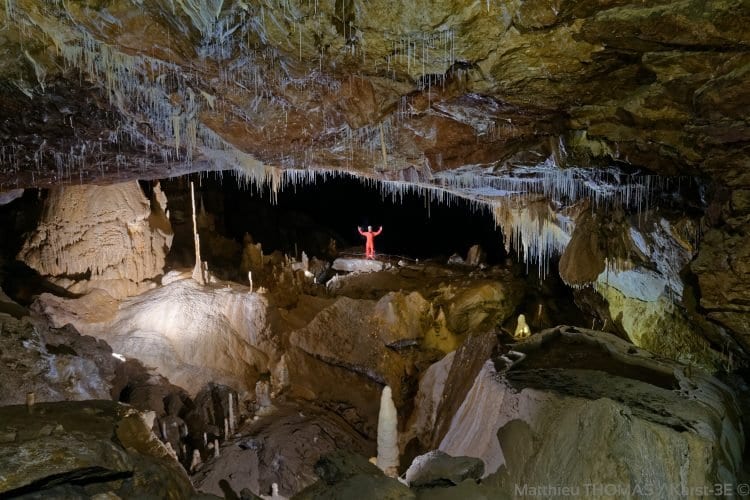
311,217
321,219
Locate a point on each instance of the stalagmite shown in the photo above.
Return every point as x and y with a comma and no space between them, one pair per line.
274,493
198,274
196,462
522,329
171,451
226,428
216,448
281,379
387,459
231,414
30,399
262,394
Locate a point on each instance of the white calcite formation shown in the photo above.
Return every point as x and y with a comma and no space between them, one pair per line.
112,235
192,334
357,265
603,412
522,328
387,459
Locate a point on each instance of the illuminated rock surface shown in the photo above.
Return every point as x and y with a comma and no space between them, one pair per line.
170,328
111,234
656,422
509,104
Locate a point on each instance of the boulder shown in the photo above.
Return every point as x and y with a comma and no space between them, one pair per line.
347,334
56,364
585,407
351,265
476,256
403,318
339,465
361,487
480,306
81,449
435,469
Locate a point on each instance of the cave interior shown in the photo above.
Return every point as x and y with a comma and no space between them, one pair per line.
558,303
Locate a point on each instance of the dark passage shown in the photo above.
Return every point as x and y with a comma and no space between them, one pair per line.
307,217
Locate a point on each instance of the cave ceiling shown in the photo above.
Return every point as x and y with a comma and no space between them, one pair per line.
102,90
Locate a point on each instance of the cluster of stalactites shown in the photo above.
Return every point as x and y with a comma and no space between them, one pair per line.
535,229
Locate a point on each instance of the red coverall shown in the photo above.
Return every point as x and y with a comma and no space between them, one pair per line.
369,240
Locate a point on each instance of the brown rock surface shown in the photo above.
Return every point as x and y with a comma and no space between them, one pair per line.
280,448
79,449
723,269
346,334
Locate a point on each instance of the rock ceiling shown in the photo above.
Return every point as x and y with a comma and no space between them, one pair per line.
93,90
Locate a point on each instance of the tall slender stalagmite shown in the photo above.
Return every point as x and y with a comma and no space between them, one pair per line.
387,459
198,269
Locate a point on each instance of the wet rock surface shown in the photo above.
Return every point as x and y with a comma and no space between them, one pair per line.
56,364
81,449
436,469
343,475
461,85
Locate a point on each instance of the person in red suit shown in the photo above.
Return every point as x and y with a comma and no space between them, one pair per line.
369,240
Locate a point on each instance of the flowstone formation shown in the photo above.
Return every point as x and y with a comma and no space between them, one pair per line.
101,237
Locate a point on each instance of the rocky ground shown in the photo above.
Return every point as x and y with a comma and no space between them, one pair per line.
524,410
274,386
